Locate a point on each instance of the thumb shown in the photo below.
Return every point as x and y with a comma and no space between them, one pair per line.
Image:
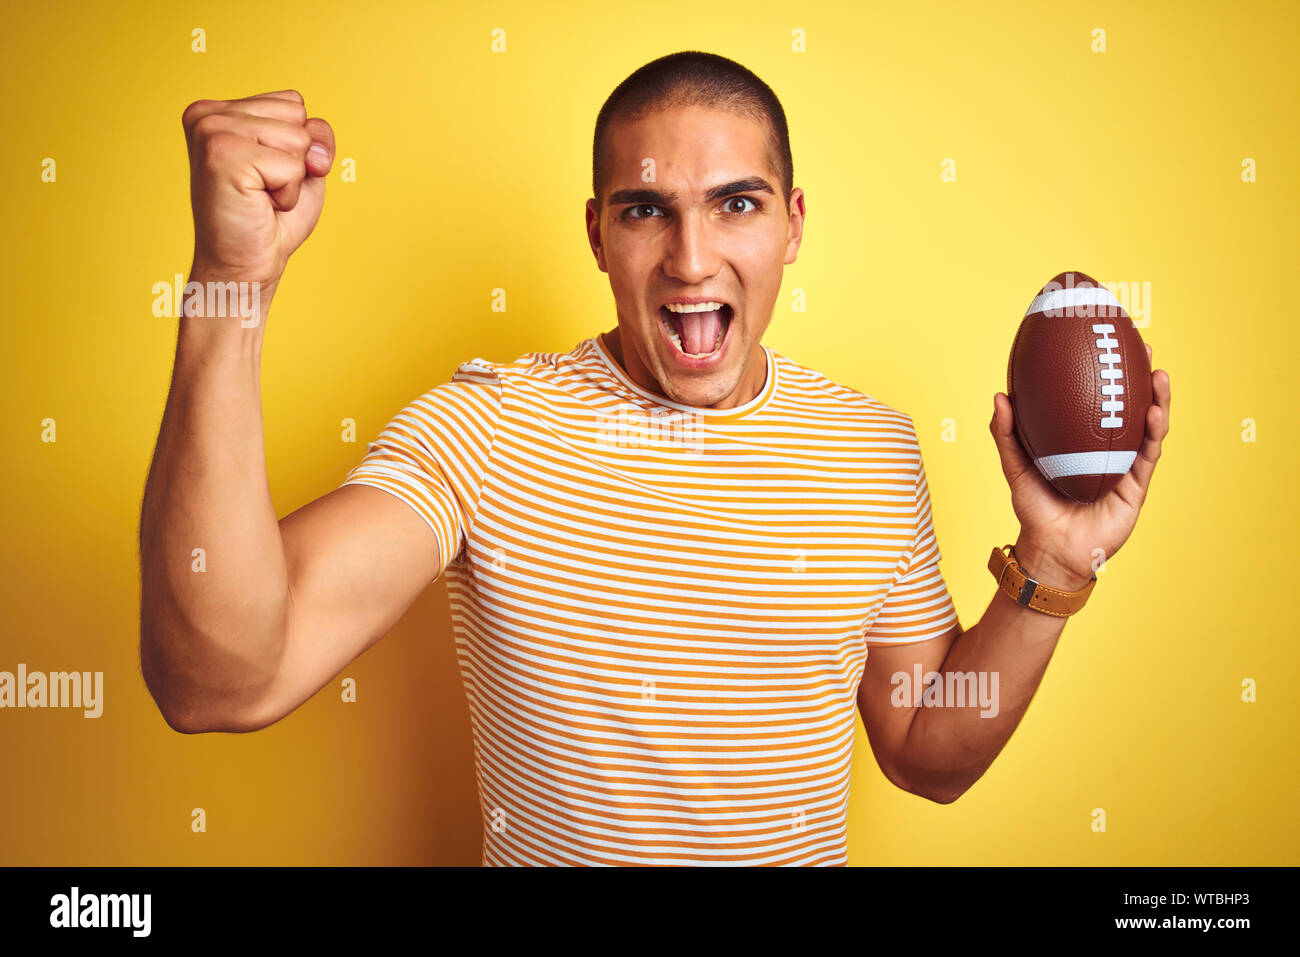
1002,426
301,218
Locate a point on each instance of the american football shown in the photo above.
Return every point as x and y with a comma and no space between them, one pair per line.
1079,381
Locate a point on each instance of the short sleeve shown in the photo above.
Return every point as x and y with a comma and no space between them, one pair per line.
434,453
918,606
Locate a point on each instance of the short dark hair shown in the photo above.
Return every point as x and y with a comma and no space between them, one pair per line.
695,78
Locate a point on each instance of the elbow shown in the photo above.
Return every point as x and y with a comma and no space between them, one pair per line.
187,719
179,717
191,721
182,724
180,711
204,726
940,796
940,792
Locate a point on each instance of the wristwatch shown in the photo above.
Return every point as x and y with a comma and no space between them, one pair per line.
1015,582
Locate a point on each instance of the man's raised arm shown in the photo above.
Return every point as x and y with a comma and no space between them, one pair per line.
242,617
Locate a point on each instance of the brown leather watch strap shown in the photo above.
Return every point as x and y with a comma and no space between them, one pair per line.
1023,590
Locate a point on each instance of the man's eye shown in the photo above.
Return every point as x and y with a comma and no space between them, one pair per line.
627,213
743,199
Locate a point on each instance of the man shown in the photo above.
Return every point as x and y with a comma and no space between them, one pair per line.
677,559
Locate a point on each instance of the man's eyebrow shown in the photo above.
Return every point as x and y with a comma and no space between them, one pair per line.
754,184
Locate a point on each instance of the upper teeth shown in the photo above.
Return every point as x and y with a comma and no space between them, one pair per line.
693,306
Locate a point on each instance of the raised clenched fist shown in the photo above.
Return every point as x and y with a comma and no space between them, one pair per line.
257,168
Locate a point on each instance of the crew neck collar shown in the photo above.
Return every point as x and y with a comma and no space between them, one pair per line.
753,405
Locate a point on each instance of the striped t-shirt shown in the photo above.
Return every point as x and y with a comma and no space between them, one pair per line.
662,613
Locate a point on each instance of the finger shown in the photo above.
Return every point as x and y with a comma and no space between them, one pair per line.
1157,427
199,109
1134,486
321,155
313,187
258,167
1160,389
292,138
272,107
1002,426
284,95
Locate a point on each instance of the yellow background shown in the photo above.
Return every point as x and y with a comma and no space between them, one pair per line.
472,171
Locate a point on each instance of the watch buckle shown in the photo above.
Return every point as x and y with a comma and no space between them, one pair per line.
1029,587
1027,591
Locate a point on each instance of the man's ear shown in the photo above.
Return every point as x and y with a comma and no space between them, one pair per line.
593,233
797,214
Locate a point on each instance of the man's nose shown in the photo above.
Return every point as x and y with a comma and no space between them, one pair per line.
692,254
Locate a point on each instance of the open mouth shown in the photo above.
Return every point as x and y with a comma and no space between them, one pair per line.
698,330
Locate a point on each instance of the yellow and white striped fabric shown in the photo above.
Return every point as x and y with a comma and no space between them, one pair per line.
662,613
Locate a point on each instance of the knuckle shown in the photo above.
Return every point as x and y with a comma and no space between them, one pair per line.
218,147
193,110
209,125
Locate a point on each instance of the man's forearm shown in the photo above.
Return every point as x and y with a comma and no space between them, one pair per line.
211,620
949,747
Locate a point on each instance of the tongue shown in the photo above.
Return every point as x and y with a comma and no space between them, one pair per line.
699,330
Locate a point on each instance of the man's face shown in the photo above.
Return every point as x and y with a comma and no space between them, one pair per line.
711,225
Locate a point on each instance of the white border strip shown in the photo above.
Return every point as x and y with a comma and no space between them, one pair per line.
1057,299
1086,463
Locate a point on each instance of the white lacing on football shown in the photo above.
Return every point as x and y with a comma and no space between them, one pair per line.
1112,374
